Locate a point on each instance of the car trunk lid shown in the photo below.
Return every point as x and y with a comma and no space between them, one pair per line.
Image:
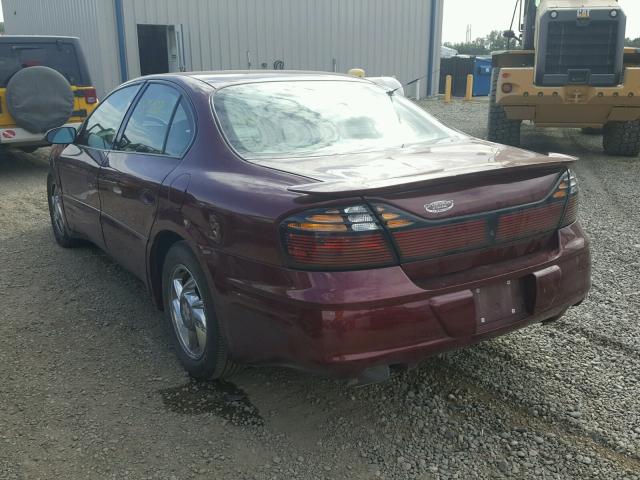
413,168
456,200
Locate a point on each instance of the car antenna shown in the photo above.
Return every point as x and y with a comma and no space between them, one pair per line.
392,92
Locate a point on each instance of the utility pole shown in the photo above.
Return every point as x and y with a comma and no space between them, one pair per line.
469,33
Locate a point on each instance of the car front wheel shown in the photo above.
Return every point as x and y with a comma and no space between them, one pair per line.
190,312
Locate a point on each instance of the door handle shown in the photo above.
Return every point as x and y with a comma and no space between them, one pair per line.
115,187
147,197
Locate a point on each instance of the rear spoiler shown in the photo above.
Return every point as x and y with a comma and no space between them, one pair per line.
341,188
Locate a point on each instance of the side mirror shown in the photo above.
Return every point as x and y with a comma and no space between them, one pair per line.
61,135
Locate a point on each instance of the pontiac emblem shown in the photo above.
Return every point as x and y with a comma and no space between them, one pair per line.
440,206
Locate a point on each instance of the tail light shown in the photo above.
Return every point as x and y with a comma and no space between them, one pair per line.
336,239
542,218
569,185
90,95
529,222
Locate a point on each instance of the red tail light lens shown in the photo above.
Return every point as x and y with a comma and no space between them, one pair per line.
427,242
530,221
336,239
90,95
570,185
418,239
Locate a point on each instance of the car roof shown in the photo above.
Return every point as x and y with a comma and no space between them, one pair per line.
225,78
36,38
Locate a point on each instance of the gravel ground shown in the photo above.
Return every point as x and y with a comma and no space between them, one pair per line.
89,387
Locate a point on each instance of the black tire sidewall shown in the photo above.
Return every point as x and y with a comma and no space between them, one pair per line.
499,128
214,355
622,138
63,238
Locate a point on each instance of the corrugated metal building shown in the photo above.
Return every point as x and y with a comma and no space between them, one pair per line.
124,39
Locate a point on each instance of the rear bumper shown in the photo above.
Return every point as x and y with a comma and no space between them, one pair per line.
571,105
19,137
342,323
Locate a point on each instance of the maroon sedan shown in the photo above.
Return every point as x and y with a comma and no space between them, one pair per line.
316,221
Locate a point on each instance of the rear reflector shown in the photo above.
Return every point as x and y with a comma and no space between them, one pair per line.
531,221
428,241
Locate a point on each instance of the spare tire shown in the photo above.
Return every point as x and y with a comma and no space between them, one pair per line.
39,99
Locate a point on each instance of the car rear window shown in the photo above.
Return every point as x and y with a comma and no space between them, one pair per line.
306,118
60,56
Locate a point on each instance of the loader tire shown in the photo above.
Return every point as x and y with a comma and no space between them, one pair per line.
500,128
622,138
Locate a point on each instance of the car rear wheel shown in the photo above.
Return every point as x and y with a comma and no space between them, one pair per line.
622,138
56,212
191,315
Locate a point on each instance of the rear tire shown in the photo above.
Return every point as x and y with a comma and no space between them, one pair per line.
500,128
622,138
58,219
191,315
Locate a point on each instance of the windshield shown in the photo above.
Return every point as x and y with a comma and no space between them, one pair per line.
60,56
314,118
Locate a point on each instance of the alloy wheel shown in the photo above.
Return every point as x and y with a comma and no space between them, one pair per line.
188,313
57,214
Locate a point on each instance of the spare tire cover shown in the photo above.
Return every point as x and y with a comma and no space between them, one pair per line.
39,99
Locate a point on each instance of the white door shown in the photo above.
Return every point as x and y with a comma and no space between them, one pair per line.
175,48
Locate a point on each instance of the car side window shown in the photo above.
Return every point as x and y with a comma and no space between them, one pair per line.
102,126
149,123
181,131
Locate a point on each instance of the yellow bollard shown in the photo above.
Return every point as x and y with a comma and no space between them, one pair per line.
447,89
469,94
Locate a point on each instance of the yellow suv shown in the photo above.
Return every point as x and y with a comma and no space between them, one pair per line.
44,84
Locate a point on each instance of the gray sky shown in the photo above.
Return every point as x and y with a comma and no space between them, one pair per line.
496,15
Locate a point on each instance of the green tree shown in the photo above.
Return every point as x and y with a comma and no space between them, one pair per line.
633,43
484,45
497,41
473,48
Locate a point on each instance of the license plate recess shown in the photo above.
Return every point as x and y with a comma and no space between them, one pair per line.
501,302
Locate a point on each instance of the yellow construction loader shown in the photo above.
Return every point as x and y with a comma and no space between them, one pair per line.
573,71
